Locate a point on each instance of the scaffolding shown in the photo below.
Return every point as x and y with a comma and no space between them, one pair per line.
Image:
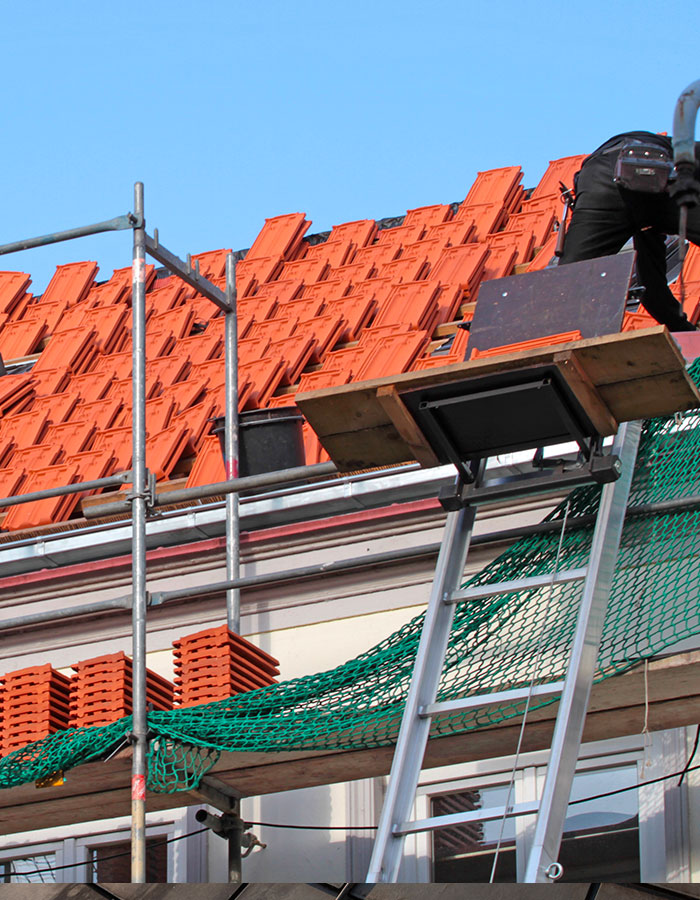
142,496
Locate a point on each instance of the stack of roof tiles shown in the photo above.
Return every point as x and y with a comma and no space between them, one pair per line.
210,665
215,664
101,690
34,703
365,302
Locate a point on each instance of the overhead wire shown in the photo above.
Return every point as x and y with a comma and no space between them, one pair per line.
600,796
634,787
691,757
99,859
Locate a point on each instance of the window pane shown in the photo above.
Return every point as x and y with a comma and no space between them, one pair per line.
111,863
30,869
600,841
601,837
466,852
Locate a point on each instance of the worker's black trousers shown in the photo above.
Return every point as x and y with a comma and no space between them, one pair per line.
606,216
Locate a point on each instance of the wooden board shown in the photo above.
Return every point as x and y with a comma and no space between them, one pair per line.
617,378
587,296
617,708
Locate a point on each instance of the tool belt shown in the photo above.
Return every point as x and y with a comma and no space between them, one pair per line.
643,166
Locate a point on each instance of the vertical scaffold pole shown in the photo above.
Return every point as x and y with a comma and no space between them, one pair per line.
138,547
233,542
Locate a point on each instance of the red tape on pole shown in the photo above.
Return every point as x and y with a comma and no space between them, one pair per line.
138,787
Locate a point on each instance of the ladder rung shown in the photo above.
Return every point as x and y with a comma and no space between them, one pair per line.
473,815
482,591
449,706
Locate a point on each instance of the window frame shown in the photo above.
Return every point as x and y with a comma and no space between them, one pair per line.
663,833
85,845
73,848
29,851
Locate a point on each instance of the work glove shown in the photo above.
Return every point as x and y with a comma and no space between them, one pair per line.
685,187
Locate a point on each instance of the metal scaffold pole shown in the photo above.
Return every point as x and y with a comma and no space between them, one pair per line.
233,534
142,495
233,541
138,563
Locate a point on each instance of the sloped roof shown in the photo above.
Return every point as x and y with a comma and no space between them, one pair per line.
314,311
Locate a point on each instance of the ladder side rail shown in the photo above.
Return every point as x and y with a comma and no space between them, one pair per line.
568,730
415,730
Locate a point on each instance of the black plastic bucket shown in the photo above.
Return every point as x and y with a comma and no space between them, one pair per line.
268,440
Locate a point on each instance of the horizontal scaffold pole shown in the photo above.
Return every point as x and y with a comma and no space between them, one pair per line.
120,223
386,557
234,486
77,488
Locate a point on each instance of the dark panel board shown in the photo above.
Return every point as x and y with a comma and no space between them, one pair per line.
587,296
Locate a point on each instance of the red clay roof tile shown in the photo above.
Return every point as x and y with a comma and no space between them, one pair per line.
363,302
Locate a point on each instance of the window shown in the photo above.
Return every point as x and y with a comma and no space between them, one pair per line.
600,841
111,863
601,837
29,869
466,852
101,851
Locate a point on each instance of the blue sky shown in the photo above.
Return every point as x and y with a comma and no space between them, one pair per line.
232,112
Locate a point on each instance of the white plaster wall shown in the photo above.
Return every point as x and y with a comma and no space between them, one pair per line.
310,627
310,649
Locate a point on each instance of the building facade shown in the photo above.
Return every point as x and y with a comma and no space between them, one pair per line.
648,831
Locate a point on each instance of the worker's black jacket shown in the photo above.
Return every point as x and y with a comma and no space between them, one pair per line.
607,215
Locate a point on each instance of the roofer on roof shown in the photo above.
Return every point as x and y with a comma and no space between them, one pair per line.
611,207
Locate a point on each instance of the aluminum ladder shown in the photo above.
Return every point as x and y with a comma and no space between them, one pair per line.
421,703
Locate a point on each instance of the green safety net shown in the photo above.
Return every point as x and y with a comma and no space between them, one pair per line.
507,641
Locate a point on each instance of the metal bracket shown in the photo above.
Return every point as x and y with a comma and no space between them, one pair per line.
230,826
250,841
216,793
131,738
149,495
598,469
151,498
605,469
554,871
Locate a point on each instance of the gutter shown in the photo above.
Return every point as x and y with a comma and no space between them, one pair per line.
341,566
336,496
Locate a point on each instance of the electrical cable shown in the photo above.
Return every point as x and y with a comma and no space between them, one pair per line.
314,827
633,787
100,859
691,757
